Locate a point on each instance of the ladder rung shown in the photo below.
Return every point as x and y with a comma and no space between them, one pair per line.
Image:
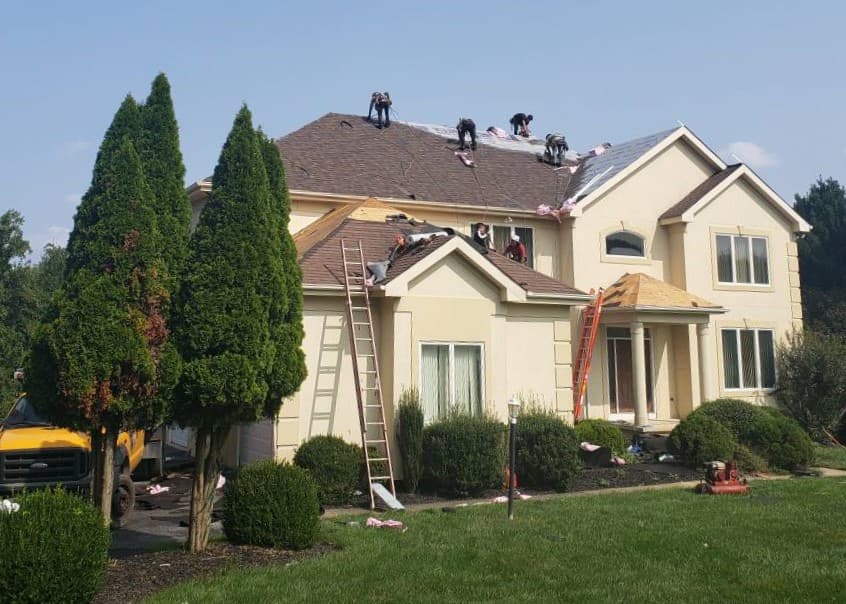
380,440
375,424
378,459
373,406
360,323
369,388
381,478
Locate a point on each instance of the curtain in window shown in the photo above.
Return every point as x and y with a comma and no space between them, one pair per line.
759,260
527,238
747,352
468,379
741,260
434,388
730,368
724,258
501,238
767,352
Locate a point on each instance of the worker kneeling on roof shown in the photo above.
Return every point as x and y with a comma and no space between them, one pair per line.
516,250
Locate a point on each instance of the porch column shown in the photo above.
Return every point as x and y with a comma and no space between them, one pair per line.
706,362
641,417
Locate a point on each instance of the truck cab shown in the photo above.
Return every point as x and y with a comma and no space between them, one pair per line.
35,454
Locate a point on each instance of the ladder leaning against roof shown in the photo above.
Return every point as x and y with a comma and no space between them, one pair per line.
587,341
368,385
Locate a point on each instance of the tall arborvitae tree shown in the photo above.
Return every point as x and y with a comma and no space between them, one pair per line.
286,307
94,363
821,254
161,159
223,318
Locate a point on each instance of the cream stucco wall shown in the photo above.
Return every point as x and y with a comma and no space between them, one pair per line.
526,350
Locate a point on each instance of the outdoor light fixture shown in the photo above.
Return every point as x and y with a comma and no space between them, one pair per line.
513,411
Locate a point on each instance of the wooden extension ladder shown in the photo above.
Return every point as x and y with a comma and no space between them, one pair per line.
368,385
587,341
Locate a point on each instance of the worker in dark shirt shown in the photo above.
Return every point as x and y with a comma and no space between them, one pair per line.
520,124
466,126
482,237
516,250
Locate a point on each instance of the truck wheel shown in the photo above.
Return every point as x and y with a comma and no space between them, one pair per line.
123,501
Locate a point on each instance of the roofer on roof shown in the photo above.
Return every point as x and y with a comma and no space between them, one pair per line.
520,123
482,237
556,146
382,102
466,126
516,250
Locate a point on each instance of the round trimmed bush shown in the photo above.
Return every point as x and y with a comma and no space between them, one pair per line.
335,466
603,433
55,548
782,441
735,414
272,505
547,452
700,438
464,455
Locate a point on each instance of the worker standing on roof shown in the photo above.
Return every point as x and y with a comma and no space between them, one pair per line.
481,236
520,124
556,147
516,250
382,102
466,126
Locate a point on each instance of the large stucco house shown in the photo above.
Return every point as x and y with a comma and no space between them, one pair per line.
697,259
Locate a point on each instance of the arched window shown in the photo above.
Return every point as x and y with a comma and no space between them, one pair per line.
624,243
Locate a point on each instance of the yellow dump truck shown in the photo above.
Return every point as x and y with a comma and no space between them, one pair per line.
35,454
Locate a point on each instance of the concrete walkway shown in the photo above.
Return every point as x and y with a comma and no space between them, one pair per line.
463,503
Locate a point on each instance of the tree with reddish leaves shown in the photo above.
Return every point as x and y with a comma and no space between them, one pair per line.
97,358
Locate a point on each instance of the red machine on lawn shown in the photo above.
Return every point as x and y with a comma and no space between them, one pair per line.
721,478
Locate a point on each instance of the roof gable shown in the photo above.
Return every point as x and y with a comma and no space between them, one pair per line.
637,291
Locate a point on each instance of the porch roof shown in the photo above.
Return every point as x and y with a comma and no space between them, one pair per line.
637,292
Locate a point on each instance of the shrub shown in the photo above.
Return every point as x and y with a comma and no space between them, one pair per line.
782,441
748,461
547,451
735,414
55,549
700,438
812,381
410,437
272,505
335,466
464,455
603,433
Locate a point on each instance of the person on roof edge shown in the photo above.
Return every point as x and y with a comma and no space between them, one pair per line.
520,124
481,236
516,250
466,126
556,147
379,270
382,102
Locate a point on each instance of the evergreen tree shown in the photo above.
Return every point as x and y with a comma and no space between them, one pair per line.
94,362
821,254
16,304
165,173
223,316
288,369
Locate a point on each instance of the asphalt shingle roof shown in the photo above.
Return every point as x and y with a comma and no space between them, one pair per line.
347,155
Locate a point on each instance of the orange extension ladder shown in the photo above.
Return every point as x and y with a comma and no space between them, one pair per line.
368,385
587,341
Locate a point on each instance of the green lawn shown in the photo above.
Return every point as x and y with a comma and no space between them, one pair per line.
785,542
831,457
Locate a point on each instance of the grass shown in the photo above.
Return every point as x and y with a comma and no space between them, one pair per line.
784,542
830,457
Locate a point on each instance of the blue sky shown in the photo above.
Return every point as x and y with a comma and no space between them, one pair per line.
764,79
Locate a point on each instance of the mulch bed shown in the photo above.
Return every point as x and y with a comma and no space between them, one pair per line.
133,578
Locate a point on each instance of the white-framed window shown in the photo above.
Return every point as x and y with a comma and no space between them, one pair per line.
625,243
742,259
748,359
502,237
452,378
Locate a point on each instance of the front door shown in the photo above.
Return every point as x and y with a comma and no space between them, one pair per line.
620,374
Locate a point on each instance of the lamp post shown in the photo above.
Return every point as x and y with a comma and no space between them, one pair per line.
513,411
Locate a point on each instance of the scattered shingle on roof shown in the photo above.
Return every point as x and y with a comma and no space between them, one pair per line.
319,248
635,291
700,191
347,155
